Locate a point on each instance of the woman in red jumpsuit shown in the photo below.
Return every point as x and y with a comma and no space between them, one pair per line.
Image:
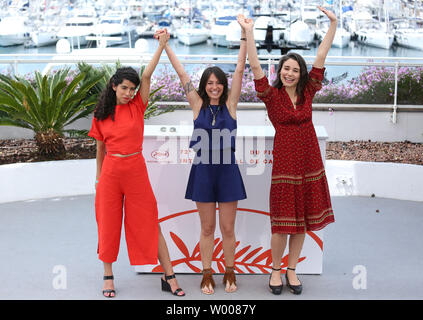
299,193
122,182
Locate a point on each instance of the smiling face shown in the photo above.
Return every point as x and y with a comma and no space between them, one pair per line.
124,91
290,73
214,89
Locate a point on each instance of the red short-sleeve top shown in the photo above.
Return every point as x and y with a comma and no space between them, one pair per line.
125,134
278,103
268,93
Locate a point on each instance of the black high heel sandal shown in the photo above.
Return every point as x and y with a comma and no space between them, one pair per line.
166,286
109,291
294,289
275,289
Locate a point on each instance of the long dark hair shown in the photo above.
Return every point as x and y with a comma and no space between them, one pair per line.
303,74
106,104
221,77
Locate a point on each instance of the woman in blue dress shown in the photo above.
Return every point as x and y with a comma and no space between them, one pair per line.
215,176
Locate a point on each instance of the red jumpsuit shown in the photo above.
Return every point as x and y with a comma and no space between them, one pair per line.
124,184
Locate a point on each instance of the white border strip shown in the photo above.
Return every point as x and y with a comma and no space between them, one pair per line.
27,181
384,180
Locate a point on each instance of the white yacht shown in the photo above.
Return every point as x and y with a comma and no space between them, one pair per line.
43,31
13,31
42,36
407,34
373,33
342,36
368,31
300,34
223,29
234,35
114,27
192,33
78,27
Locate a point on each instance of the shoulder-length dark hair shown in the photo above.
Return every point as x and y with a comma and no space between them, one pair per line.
106,104
221,77
303,74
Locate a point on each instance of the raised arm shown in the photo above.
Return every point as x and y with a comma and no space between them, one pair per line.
236,86
326,43
193,98
163,37
248,25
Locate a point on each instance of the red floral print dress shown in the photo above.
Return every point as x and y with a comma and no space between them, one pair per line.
299,193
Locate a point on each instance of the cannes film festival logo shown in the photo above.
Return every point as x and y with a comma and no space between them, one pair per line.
160,155
251,257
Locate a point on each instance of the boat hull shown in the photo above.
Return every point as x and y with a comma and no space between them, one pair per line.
410,39
379,40
191,38
12,40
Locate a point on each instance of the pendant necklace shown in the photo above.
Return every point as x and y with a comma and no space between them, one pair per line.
214,114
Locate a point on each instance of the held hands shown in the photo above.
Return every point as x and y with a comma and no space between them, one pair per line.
246,24
163,36
329,14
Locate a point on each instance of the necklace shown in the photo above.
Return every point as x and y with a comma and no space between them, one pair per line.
214,114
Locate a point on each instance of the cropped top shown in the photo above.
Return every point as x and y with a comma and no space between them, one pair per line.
125,134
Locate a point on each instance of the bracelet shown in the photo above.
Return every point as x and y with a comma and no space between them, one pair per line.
245,39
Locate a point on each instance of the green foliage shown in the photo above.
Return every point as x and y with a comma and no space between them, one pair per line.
47,104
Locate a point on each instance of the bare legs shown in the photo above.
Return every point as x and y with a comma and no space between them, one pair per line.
166,264
164,259
278,244
227,214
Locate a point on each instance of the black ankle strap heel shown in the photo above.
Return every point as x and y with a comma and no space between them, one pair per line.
275,289
108,292
166,286
294,289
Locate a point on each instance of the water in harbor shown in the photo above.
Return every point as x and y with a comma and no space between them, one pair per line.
354,49
362,52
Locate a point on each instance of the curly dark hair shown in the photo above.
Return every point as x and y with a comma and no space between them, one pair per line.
221,76
303,74
106,104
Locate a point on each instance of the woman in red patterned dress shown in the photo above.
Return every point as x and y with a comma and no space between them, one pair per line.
299,194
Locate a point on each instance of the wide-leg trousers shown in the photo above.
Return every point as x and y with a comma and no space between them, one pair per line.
124,187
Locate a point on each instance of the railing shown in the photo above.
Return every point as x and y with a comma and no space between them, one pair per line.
131,56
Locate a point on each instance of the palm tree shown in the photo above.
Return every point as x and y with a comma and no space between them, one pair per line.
46,106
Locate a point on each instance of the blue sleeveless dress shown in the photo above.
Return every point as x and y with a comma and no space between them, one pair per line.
214,175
